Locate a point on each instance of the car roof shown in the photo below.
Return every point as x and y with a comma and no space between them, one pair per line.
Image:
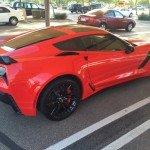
76,28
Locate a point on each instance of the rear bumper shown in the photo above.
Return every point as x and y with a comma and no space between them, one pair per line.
8,99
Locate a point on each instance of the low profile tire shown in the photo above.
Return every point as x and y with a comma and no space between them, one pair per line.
60,99
129,27
103,26
13,21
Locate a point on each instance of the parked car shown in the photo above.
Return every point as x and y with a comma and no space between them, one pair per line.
139,7
75,8
4,3
125,11
92,6
11,16
91,59
96,5
27,6
106,19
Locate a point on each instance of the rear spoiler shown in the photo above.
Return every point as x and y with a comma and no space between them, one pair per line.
6,60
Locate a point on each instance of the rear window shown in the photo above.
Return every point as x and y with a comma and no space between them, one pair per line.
31,38
82,28
74,44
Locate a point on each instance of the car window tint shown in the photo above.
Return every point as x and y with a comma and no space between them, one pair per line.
3,10
74,44
110,14
118,14
27,5
82,28
19,5
103,43
34,6
32,38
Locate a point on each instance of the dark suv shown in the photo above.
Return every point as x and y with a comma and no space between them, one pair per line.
75,8
28,7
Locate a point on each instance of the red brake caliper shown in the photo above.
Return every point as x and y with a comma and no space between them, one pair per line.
69,95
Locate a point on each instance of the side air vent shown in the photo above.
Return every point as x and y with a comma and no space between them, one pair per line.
6,60
68,53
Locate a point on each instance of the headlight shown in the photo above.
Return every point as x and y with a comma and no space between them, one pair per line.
2,71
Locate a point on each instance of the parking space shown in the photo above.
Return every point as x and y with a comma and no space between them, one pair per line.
37,133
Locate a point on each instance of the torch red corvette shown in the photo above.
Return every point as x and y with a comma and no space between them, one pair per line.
52,69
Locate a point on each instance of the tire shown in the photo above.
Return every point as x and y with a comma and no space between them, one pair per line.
13,21
60,99
103,26
129,27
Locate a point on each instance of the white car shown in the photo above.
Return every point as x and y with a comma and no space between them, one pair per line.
126,12
11,16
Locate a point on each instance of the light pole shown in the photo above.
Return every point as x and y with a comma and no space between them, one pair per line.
47,15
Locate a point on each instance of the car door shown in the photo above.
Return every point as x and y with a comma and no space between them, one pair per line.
4,14
121,22
111,19
28,8
108,62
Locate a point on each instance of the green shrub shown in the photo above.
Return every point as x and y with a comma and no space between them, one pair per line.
60,15
144,17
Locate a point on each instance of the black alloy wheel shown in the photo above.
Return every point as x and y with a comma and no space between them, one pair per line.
103,26
60,99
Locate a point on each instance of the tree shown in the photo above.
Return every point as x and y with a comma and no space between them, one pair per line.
146,2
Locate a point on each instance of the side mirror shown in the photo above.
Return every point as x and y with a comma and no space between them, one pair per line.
129,49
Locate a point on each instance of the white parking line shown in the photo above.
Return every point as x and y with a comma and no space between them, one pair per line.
81,134
128,137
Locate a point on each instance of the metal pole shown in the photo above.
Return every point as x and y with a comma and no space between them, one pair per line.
47,15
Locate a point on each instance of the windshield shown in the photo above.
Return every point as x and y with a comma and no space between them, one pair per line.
31,38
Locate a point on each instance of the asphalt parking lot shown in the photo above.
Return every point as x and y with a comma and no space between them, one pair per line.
115,118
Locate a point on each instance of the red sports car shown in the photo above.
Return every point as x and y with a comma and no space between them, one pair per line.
53,68
106,19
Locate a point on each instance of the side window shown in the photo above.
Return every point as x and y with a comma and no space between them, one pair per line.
19,5
28,5
1,10
74,44
118,14
34,6
103,43
110,14
4,10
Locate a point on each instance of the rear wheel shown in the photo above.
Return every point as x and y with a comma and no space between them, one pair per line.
13,21
129,27
103,26
60,99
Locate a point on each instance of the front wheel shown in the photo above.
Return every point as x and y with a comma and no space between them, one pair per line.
131,15
13,21
129,27
103,26
60,99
